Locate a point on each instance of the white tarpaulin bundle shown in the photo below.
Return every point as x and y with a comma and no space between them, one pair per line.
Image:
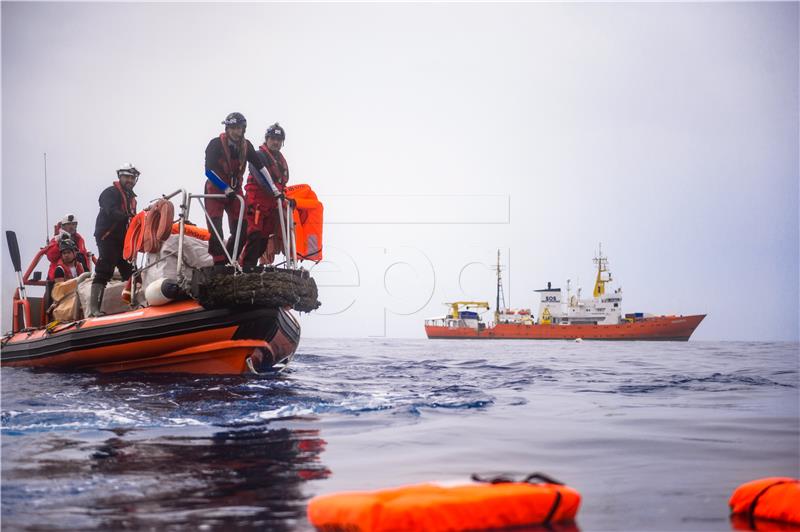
195,255
112,297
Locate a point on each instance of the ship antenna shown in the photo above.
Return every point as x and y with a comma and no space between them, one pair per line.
602,267
46,214
500,296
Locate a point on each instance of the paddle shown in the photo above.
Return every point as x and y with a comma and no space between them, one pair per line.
13,248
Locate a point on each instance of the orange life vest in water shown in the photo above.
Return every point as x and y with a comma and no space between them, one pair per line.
440,507
773,498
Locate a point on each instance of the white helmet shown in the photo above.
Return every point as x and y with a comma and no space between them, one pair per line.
69,219
128,169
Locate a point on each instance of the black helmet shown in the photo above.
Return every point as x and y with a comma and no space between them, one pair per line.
275,131
67,244
235,120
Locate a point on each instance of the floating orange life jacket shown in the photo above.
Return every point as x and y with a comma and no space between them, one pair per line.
308,221
773,498
435,507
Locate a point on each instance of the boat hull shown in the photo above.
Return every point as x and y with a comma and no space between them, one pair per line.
177,337
662,328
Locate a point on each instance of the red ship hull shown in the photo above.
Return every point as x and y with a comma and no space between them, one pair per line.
662,328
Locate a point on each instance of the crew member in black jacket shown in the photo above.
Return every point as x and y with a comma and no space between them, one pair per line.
117,207
226,159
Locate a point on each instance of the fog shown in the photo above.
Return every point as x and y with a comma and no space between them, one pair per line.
436,134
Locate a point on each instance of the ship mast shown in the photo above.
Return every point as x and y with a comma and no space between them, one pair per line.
602,267
500,295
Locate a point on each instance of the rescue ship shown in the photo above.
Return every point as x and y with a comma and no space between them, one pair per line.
560,318
188,319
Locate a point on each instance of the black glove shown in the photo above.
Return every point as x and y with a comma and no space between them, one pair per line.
230,193
292,203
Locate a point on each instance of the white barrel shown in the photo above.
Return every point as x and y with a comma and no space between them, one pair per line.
155,294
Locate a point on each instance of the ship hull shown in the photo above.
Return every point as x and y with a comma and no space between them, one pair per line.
180,337
661,328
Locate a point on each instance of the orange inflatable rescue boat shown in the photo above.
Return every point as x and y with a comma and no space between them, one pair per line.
774,499
481,504
187,316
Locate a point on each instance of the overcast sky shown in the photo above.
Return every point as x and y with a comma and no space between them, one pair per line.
436,134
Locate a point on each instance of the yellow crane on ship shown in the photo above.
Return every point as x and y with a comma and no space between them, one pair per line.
455,307
602,267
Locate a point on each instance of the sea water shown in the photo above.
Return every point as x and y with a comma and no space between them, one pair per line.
654,435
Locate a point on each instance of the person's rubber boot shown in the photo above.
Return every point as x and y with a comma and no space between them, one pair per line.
96,300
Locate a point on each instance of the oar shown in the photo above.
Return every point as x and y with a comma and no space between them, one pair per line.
13,248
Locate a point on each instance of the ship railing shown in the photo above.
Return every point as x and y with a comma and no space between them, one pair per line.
286,215
184,208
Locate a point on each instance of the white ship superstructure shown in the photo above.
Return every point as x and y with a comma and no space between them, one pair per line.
602,309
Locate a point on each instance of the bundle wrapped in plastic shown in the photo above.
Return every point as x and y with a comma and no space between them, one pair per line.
112,297
195,255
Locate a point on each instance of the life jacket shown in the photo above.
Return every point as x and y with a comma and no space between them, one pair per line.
193,231
67,270
276,165
134,237
232,167
54,252
774,498
149,229
307,222
442,507
127,205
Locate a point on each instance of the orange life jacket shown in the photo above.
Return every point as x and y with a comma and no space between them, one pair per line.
773,498
434,507
66,269
193,231
134,237
308,221
148,229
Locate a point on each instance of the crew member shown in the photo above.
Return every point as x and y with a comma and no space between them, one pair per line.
117,207
262,204
67,228
68,266
226,158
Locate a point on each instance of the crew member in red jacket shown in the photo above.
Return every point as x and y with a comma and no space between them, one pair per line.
67,228
262,204
226,158
67,266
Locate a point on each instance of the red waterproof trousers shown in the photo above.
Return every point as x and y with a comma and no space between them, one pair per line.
216,208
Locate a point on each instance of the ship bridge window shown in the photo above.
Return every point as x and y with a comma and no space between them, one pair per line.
616,305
